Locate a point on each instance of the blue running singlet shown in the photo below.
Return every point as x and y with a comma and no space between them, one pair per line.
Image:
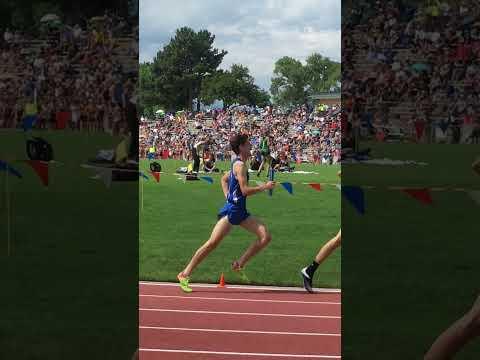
236,206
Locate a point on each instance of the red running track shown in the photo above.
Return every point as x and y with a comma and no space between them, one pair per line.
237,323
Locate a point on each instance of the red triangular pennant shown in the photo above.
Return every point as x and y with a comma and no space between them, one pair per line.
316,186
422,195
156,175
41,168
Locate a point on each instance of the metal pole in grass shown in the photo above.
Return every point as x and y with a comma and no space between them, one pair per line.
141,191
7,197
4,202
271,177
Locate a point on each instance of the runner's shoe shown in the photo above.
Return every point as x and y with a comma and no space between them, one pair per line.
240,271
184,283
307,280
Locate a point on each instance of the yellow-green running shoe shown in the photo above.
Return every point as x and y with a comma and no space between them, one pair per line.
184,283
240,271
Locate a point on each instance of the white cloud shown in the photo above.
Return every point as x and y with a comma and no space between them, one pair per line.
255,33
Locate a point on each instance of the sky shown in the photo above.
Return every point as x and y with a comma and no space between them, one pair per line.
255,33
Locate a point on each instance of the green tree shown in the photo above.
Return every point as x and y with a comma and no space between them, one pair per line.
243,84
219,86
241,74
249,93
322,73
183,64
293,82
289,82
150,99
262,98
234,86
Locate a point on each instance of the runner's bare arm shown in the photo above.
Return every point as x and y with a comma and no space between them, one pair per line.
225,183
240,171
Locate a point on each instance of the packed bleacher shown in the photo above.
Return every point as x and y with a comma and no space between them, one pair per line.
76,76
299,135
410,71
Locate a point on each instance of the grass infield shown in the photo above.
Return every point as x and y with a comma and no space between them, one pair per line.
178,217
69,287
409,269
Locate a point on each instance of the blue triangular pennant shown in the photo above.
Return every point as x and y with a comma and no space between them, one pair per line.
207,179
355,195
288,186
5,167
142,175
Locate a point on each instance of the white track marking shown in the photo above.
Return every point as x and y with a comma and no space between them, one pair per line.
240,313
239,331
246,287
306,356
243,300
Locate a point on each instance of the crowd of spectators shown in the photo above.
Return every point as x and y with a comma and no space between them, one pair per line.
414,67
78,75
301,134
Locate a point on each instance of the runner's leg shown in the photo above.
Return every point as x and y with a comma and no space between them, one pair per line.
264,237
328,248
457,335
221,229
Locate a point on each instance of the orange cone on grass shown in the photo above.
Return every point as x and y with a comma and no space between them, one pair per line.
222,281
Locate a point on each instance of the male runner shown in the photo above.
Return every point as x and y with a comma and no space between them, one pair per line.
451,341
236,190
309,271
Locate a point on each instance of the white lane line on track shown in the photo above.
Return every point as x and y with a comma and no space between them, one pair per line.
238,331
246,287
241,313
244,300
227,353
